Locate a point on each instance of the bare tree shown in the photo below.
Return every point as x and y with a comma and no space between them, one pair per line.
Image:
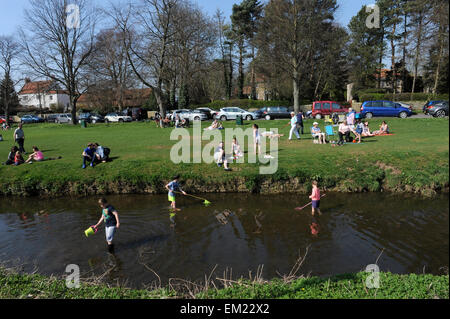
149,29
289,34
110,64
194,39
57,40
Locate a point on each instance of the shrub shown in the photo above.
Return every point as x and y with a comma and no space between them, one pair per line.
243,103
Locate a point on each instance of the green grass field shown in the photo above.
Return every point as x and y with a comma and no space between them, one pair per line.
348,286
414,159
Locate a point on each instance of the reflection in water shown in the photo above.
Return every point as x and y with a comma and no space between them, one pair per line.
238,232
315,228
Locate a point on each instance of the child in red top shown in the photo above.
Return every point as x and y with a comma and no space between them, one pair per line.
18,159
315,197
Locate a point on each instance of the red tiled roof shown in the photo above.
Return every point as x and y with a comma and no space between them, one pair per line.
35,87
131,97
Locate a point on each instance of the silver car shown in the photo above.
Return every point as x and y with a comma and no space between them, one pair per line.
230,113
63,118
191,115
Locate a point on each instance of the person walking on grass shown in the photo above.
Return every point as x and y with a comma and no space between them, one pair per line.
300,118
173,187
256,140
19,138
294,128
111,218
89,155
315,199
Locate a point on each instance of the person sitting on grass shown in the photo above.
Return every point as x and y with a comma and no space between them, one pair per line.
184,123
177,121
366,130
344,130
166,121
89,155
101,153
5,126
215,125
316,132
18,159
271,134
384,129
220,157
36,156
236,149
11,156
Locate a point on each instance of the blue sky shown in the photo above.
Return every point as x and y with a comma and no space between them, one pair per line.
11,14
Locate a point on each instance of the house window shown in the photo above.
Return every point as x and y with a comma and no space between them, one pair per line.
51,97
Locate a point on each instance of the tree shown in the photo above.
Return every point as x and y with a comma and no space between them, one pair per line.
9,50
364,51
291,32
226,47
110,66
245,20
191,50
57,42
420,20
149,29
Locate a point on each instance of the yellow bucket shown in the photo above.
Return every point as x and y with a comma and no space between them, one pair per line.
90,231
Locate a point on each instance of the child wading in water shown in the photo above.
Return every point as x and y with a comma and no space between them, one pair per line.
173,187
111,219
315,198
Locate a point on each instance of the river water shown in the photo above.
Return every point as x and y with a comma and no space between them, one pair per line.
237,232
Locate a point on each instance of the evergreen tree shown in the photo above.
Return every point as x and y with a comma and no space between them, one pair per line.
8,96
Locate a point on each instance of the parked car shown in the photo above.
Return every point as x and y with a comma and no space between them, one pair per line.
51,118
3,119
115,117
230,113
182,113
274,112
136,113
91,117
26,119
209,112
439,109
405,105
429,105
197,115
322,108
63,118
370,109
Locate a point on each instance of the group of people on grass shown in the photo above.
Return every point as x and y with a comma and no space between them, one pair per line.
95,153
15,156
351,124
167,122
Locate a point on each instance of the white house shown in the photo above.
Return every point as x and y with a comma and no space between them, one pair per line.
43,94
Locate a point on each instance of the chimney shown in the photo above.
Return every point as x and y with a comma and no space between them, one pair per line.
27,80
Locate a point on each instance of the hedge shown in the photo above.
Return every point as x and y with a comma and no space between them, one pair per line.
402,97
244,104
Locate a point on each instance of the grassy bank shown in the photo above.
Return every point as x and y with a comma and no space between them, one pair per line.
414,159
349,286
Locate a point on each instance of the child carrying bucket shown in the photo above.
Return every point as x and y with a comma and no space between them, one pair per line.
173,187
111,219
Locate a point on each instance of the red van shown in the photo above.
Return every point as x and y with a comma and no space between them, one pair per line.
322,108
